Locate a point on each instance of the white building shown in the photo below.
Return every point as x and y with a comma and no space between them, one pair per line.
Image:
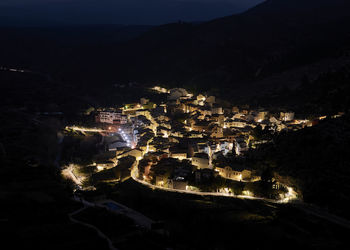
241,147
111,117
201,161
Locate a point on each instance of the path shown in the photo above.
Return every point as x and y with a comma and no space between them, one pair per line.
102,235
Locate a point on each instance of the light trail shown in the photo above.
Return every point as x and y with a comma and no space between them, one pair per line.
82,129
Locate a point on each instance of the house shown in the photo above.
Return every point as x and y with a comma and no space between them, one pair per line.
260,116
236,123
177,93
249,118
179,155
287,116
144,112
274,120
217,132
163,131
217,110
200,97
205,111
241,147
245,112
201,161
224,147
188,107
202,147
111,117
235,109
177,184
137,153
194,134
234,173
218,119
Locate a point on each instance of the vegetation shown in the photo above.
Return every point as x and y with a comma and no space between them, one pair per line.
35,200
119,172
314,160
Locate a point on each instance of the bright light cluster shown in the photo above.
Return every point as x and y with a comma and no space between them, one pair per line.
125,137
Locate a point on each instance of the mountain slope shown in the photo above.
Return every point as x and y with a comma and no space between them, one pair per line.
223,55
272,37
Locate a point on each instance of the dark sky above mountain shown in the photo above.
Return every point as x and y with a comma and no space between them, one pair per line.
152,12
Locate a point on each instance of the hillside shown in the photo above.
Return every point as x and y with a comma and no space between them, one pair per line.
315,161
230,56
270,38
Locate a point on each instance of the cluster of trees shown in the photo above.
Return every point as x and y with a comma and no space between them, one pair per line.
227,160
328,94
166,167
264,188
80,149
260,134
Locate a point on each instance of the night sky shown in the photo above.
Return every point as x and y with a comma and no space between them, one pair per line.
152,12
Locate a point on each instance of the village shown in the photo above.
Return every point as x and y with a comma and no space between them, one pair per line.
188,143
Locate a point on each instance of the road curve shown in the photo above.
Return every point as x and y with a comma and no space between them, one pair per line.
290,196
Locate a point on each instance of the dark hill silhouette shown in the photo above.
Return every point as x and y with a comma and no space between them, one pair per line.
223,55
272,37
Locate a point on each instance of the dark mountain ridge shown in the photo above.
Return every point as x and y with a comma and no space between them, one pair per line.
130,12
225,55
266,39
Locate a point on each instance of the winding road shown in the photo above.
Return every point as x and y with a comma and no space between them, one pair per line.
290,196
